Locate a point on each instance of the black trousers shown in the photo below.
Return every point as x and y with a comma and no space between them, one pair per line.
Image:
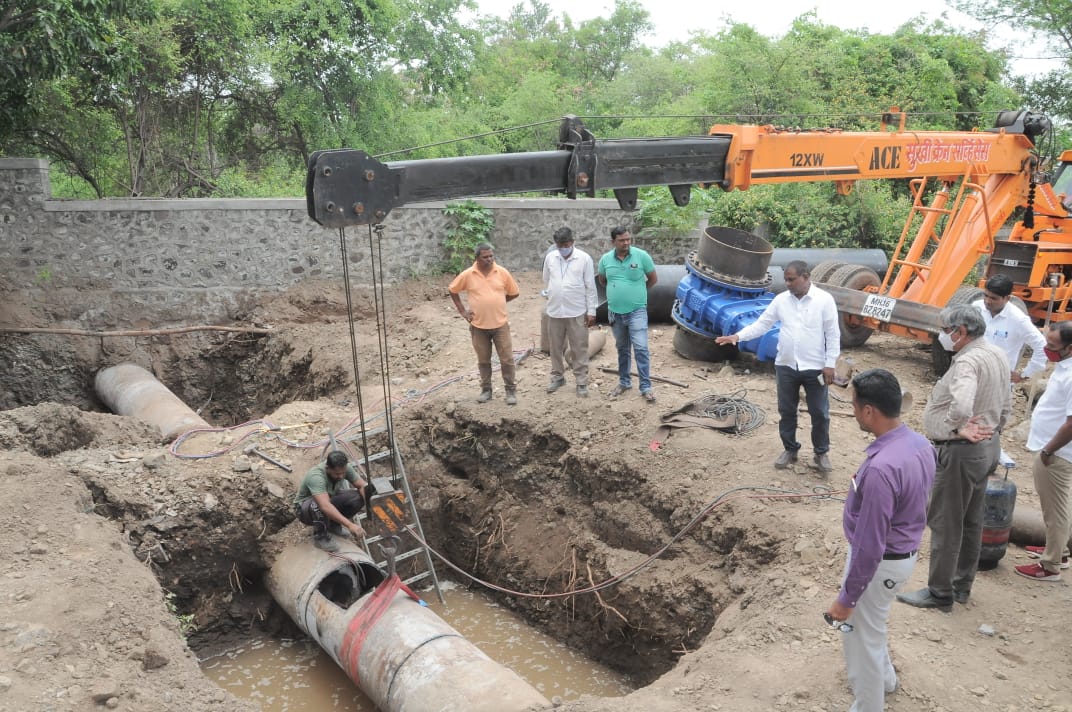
349,502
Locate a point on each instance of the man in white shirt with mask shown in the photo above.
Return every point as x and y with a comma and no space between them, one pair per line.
809,344
1051,437
569,278
1011,329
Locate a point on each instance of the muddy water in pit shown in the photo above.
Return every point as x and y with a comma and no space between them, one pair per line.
293,676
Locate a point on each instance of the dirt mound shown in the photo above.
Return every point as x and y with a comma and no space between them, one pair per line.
51,428
117,547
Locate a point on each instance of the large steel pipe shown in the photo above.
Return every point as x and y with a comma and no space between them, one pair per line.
409,659
1028,529
874,258
128,389
734,256
660,297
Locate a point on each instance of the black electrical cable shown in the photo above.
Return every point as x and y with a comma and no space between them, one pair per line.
820,492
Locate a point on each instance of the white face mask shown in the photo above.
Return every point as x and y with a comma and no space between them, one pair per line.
946,340
565,251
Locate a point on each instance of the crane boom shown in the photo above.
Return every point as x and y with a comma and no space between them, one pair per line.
350,187
964,184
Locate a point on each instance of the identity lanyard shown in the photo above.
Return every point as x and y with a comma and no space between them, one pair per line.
564,268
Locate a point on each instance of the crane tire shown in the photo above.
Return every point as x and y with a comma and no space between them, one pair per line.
822,271
858,277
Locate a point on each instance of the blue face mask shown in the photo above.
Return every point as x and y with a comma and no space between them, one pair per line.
565,251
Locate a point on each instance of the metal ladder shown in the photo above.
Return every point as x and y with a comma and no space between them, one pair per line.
393,494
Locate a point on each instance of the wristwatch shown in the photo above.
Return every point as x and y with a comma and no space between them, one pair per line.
1047,453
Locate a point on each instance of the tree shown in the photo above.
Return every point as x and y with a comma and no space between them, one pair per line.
44,39
434,49
596,50
1050,20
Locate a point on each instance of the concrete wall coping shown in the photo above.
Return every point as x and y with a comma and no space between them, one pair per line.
15,164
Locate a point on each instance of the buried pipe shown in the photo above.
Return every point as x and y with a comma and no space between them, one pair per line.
128,389
1028,529
597,339
406,659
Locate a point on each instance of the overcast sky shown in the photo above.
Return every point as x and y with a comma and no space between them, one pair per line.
674,19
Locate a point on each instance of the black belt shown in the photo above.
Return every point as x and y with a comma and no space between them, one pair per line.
890,556
955,441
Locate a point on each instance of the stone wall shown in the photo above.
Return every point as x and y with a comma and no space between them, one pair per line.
166,255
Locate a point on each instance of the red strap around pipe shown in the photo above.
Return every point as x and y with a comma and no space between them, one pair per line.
362,623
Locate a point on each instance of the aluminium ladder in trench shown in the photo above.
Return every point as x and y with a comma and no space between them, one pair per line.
393,494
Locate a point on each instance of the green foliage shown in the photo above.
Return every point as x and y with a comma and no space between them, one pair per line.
185,620
473,224
272,181
42,40
814,215
43,277
659,212
229,98
1049,20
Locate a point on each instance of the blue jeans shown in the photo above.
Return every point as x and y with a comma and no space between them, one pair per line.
789,382
632,330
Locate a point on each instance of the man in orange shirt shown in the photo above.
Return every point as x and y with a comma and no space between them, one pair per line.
488,288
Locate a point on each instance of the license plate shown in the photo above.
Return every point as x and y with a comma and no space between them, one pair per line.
877,307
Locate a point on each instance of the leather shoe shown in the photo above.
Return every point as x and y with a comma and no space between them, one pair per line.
961,597
924,599
787,458
485,396
582,391
511,398
822,462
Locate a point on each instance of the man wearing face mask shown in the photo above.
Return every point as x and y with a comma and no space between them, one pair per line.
1051,436
570,280
967,409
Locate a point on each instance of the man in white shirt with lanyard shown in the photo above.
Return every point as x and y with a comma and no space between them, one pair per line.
808,347
1010,329
569,277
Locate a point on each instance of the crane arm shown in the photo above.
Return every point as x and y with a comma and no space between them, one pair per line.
350,187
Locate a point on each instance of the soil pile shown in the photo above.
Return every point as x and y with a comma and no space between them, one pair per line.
114,549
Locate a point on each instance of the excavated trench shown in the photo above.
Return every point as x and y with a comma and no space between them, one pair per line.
509,501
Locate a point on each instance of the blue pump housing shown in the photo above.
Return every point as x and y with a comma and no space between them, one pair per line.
709,307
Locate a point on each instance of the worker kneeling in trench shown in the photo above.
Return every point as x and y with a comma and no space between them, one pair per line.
329,497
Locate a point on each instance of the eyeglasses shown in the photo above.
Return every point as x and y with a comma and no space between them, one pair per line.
840,626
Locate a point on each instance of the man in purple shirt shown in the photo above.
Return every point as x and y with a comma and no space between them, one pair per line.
884,518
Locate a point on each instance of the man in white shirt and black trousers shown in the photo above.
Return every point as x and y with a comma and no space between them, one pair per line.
808,347
1010,329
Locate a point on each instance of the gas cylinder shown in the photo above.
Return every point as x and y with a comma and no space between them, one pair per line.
998,504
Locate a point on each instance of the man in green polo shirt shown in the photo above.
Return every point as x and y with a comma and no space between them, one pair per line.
628,273
329,497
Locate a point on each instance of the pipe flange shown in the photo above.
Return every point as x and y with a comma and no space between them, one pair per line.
693,262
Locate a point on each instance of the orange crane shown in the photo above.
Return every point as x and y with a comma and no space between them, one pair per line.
965,186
